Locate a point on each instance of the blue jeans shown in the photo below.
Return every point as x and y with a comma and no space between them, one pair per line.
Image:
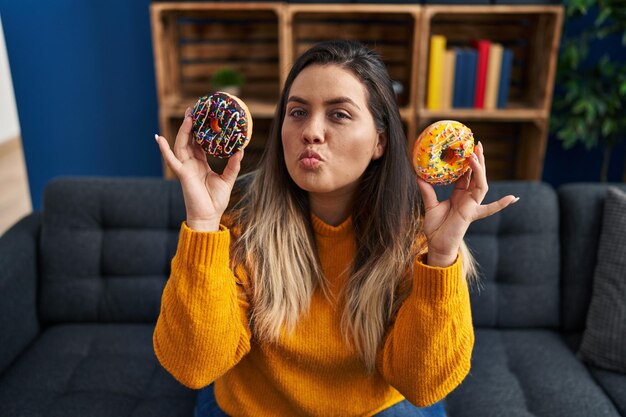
206,406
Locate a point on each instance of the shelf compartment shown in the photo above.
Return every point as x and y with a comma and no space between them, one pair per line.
531,32
201,39
513,150
392,35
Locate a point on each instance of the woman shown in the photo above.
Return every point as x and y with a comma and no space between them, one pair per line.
337,285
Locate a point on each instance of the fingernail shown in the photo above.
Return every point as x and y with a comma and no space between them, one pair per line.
188,112
516,199
156,137
475,157
480,144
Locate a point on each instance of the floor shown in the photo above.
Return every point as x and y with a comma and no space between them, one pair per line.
15,200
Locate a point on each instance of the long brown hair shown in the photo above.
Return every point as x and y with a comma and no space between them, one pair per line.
277,244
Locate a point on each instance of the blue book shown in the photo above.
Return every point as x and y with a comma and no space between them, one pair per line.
464,78
470,76
459,70
505,77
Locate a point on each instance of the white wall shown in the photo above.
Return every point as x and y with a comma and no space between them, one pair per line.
9,124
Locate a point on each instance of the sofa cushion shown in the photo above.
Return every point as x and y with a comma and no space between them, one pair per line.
517,251
604,339
92,370
581,208
526,373
105,248
614,384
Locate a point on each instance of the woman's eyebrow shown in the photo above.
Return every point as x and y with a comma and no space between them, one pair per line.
297,100
341,100
336,100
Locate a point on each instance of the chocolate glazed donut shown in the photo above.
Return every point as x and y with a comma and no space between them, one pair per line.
222,124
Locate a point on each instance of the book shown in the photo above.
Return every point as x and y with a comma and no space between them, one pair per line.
465,78
493,76
447,85
459,79
505,77
482,47
470,76
435,68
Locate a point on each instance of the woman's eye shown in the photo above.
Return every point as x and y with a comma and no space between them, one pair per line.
297,113
341,115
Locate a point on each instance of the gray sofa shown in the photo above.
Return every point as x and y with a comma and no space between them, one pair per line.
81,283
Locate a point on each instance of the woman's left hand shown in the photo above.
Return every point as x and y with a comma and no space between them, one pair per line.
445,222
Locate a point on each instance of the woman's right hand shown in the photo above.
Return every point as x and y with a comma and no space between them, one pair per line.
206,193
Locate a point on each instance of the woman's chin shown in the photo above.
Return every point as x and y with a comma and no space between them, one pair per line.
312,183
313,187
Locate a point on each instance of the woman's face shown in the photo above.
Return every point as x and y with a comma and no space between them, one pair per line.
328,134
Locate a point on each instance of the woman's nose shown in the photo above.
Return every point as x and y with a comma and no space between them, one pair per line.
314,131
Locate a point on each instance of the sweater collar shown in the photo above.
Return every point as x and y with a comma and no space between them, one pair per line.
323,229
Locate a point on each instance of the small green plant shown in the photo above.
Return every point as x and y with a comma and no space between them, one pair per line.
228,77
591,105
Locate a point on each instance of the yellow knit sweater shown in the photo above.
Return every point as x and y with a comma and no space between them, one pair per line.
202,335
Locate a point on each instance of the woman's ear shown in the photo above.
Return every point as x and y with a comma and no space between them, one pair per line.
381,145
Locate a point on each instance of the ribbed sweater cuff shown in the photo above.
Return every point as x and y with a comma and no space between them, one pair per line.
437,283
203,248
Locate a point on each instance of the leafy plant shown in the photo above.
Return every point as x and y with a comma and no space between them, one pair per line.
228,77
590,104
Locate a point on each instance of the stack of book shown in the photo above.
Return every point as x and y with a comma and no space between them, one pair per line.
476,77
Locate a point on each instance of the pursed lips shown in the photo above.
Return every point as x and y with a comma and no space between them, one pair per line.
309,159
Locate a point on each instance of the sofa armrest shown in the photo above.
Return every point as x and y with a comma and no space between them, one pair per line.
18,288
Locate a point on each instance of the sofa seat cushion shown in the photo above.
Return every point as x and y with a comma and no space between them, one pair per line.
517,251
614,384
92,370
527,373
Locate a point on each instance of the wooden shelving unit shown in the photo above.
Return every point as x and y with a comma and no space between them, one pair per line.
192,40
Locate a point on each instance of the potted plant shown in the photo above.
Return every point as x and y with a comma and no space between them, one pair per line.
590,101
228,80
